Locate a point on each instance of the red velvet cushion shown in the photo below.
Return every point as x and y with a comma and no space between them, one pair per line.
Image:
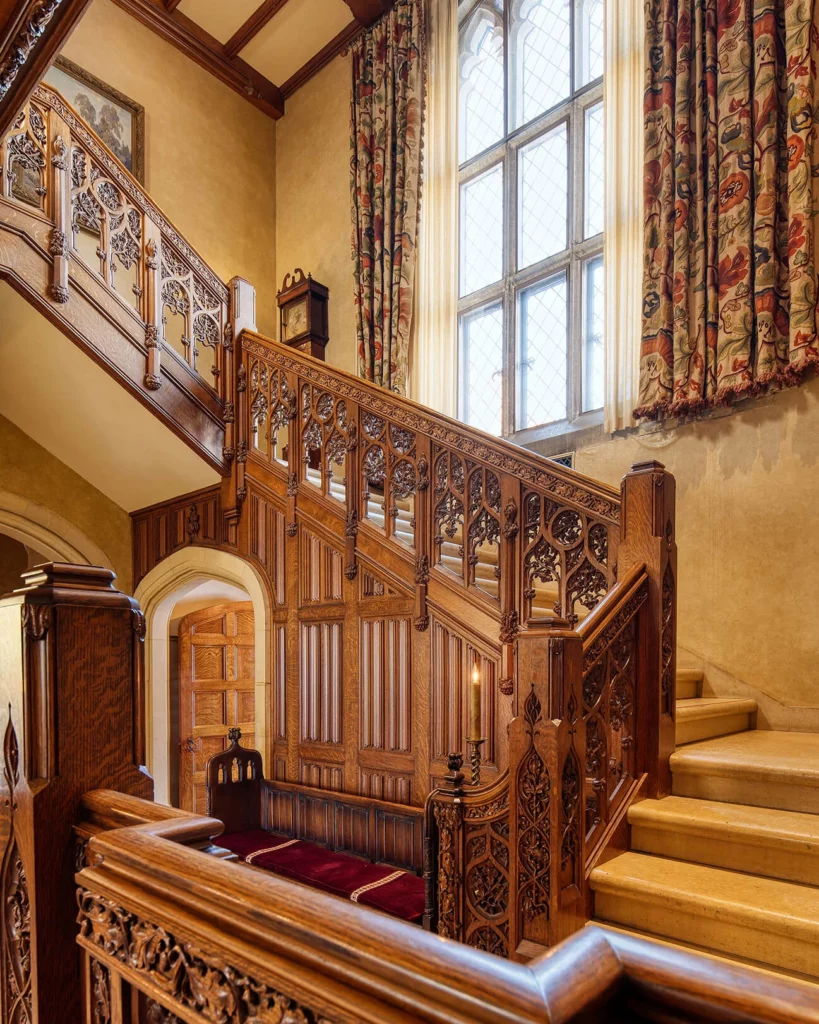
336,873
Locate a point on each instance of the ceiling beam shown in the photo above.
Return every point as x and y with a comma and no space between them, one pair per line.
254,24
178,30
32,32
368,11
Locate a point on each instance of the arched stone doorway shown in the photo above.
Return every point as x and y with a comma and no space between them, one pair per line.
158,593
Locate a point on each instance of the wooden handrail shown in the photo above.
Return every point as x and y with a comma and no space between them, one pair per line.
240,935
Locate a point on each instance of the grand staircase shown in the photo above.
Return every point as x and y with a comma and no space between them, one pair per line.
730,861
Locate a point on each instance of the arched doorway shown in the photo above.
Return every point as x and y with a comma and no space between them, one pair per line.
46,532
161,593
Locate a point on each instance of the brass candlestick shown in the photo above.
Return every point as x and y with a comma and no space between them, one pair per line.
474,747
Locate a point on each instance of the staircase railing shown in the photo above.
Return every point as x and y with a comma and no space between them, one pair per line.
579,606
87,245
169,933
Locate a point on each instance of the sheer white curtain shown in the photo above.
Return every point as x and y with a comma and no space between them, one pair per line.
434,352
623,100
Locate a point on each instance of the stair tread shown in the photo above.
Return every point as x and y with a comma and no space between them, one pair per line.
758,754
744,823
768,904
693,708
689,675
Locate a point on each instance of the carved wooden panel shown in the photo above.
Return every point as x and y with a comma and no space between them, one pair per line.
272,410
321,775
280,682
452,661
390,477
267,541
327,434
369,828
486,875
566,563
386,684
371,586
321,682
384,785
107,229
193,316
162,529
23,160
321,570
609,707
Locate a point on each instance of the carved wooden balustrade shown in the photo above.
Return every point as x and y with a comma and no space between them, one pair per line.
424,547
169,934
82,240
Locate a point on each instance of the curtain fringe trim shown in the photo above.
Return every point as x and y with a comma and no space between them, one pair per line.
771,382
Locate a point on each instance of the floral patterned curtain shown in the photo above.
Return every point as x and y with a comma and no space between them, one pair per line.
385,180
731,190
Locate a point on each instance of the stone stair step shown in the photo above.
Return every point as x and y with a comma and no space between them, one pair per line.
703,718
758,840
761,768
689,683
763,919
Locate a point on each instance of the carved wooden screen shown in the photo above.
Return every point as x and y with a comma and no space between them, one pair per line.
217,690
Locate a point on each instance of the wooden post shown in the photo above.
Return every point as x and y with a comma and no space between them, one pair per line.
647,537
153,305
59,135
547,779
72,693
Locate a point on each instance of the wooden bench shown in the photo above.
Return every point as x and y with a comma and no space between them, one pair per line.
369,851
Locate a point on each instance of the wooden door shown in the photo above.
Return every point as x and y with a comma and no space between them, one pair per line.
217,690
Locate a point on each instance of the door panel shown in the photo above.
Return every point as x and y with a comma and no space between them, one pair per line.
217,690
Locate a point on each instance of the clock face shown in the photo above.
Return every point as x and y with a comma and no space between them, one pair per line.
294,321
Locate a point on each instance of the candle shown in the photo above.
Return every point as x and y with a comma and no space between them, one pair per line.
475,704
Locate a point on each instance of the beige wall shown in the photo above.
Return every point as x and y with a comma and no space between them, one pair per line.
31,472
747,500
209,154
313,225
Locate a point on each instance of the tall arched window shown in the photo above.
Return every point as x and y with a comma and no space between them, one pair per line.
531,214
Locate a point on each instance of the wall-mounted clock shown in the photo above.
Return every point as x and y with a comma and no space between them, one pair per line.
303,313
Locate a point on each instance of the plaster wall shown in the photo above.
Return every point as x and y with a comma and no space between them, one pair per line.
209,154
747,497
313,223
38,477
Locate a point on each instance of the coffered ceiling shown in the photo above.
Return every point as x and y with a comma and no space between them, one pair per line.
262,50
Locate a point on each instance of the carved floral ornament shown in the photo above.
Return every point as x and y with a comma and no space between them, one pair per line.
24,42
186,975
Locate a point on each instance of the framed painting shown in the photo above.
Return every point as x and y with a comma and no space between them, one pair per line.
118,120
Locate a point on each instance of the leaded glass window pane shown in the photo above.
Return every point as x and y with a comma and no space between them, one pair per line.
543,190
482,230
542,353
593,334
481,90
482,369
541,44
590,41
594,176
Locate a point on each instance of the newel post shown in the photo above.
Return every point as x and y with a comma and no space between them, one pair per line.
647,536
547,744
444,854
71,696
241,317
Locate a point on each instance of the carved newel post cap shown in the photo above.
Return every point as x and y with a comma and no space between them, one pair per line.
234,735
650,466
65,575
454,778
